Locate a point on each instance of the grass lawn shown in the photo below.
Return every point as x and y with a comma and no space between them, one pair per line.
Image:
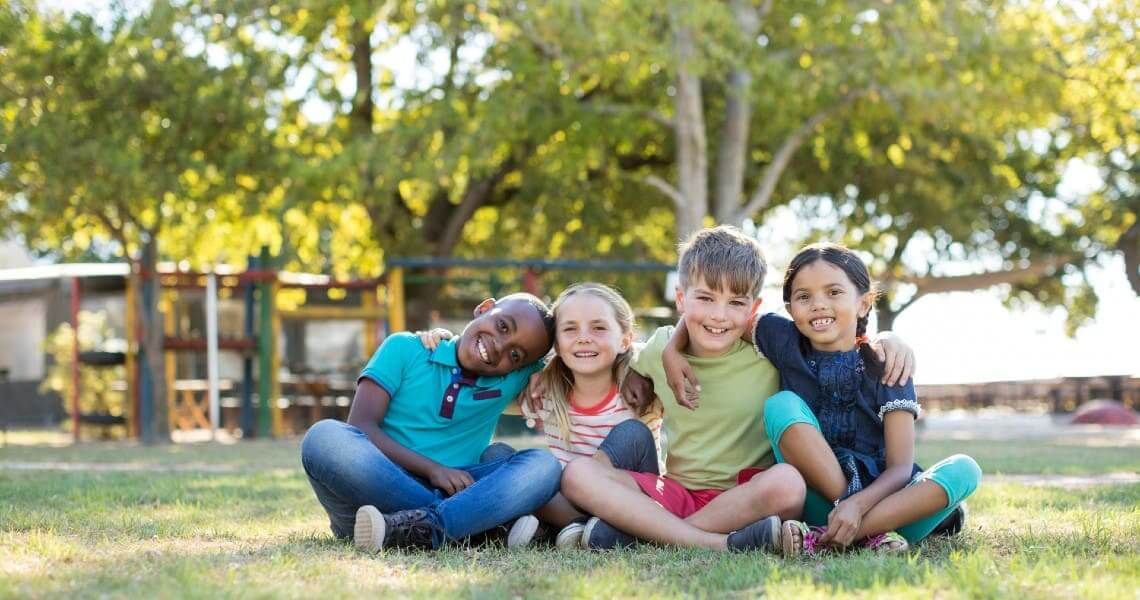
239,520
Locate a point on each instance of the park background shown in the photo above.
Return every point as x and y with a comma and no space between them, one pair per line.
982,156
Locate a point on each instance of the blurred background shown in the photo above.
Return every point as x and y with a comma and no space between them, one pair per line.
193,194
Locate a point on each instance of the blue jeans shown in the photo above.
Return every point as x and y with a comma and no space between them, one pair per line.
348,471
957,475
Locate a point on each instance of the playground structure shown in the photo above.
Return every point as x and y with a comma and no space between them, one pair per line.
198,317
194,399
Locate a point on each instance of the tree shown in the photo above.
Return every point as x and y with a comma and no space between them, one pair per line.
118,132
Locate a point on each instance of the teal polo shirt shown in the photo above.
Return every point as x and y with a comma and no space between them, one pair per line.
436,408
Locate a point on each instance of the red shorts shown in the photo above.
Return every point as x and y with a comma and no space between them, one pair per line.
678,499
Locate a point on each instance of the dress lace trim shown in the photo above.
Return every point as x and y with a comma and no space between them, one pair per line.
911,406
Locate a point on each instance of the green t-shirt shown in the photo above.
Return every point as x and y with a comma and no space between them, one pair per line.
709,446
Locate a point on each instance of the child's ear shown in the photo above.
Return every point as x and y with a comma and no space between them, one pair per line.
484,306
679,294
627,341
756,307
866,303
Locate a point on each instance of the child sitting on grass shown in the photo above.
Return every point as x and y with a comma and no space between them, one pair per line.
405,470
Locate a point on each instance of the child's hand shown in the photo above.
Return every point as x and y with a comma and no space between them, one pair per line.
681,379
897,357
842,525
431,339
451,481
535,390
637,391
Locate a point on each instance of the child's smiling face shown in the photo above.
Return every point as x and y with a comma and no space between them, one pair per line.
715,318
589,338
826,306
504,336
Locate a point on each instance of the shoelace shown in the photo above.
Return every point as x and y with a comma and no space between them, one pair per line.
411,528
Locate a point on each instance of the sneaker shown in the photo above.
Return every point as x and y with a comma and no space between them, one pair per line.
570,536
404,529
762,535
599,535
523,531
954,522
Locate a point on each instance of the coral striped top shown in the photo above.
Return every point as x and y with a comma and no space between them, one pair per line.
590,425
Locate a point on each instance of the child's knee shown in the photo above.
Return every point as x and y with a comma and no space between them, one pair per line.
780,412
496,451
320,439
632,430
789,488
577,476
964,471
779,490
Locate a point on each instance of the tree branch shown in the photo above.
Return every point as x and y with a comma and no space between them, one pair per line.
665,188
767,186
931,284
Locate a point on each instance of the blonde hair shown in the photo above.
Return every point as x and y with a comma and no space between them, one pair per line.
722,256
557,377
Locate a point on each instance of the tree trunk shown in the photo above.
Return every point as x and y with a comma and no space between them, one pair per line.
689,124
1129,246
157,428
885,315
733,148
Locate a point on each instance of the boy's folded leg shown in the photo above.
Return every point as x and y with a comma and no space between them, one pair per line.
501,494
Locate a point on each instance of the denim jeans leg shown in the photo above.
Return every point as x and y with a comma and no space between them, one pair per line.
504,489
495,452
630,447
347,471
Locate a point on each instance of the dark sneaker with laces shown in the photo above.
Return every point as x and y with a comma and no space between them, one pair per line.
403,529
599,535
761,535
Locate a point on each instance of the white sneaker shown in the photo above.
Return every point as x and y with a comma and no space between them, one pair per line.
570,537
522,531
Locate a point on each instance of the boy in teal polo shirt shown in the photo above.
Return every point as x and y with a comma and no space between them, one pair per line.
404,471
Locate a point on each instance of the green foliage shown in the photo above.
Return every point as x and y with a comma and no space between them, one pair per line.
340,134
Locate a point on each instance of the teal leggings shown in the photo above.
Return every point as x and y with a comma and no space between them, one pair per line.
958,475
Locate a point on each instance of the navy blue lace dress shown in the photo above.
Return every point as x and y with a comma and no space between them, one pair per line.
844,396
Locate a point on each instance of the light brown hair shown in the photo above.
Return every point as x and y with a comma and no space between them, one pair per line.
722,256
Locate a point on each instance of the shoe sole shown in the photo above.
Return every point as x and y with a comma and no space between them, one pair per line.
522,532
368,532
570,537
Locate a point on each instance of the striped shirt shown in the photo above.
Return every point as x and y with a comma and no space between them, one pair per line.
590,425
